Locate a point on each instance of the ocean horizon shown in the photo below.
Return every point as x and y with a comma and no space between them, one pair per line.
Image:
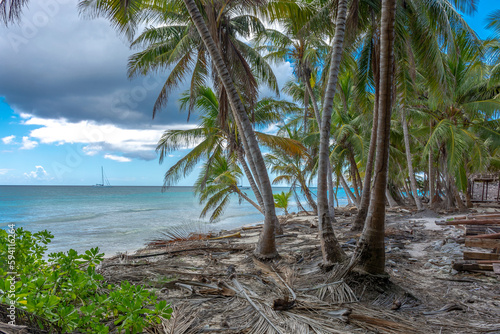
118,218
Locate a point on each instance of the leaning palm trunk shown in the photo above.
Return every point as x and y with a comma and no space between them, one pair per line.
246,198
348,190
307,194
370,247
392,202
266,246
330,247
250,178
413,181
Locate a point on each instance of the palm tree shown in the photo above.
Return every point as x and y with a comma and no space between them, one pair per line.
463,113
126,15
330,247
11,10
211,138
370,248
282,199
217,186
294,169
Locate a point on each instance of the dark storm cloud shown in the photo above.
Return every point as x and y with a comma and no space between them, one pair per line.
56,64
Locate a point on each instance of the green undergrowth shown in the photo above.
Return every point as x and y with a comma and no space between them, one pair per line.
65,288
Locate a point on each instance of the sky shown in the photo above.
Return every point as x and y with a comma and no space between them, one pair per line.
67,106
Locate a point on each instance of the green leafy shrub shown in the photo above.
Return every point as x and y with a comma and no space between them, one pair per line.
67,290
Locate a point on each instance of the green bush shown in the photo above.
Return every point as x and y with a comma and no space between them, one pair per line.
67,290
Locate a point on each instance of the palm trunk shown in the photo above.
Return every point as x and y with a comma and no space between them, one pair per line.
330,247
413,181
246,198
306,107
266,246
392,202
250,178
432,181
331,199
348,190
370,248
307,194
354,179
331,203
359,222
314,103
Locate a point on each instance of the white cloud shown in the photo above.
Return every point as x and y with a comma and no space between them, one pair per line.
8,139
4,171
38,174
117,158
101,137
28,144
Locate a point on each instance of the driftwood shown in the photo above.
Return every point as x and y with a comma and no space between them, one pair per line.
247,228
234,235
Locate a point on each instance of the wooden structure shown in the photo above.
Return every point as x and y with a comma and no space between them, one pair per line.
481,231
485,180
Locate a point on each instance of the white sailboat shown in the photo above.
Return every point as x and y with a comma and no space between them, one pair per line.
104,180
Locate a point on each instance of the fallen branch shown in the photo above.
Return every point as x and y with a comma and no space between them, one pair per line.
446,308
234,235
321,286
241,291
141,256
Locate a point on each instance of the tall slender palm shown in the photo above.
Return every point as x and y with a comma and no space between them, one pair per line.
330,247
370,249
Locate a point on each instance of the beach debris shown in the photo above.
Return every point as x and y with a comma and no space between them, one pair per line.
13,329
446,308
241,291
233,235
184,320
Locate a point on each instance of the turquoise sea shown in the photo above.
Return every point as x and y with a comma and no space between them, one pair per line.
115,219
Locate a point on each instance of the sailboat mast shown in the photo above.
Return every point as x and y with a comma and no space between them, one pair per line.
102,174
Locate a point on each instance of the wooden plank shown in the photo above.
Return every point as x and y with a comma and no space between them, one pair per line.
475,265
485,216
481,256
491,215
483,243
473,222
472,266
481,229
496,268
488,236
